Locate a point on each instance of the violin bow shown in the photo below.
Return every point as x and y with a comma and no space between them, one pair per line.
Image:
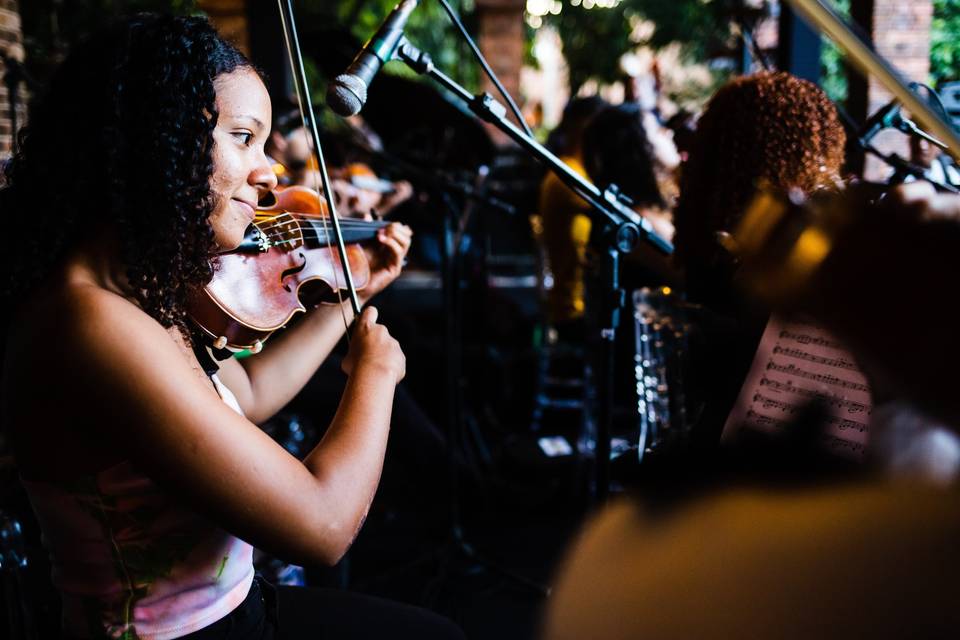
310,123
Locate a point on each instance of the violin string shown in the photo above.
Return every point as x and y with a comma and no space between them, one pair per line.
309,217
279,238
277,228
344,224
279,241
272,223
274,228
286,228
348,224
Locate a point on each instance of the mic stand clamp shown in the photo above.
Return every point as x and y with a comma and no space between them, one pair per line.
902,168
616,230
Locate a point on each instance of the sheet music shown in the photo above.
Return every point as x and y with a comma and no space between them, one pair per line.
795,364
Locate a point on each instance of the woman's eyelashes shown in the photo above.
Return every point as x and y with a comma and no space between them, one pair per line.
244,137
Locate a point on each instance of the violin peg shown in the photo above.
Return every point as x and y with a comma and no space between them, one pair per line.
257,347
220,342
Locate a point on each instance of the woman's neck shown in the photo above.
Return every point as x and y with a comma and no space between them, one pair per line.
97,260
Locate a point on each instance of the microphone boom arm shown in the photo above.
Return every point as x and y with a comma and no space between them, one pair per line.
606,207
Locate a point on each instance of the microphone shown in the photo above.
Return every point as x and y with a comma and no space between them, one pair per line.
348,91
887,116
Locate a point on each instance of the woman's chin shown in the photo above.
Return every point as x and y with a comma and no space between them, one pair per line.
225,245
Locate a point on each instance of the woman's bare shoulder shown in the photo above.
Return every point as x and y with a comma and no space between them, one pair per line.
85,345
67,351
76,319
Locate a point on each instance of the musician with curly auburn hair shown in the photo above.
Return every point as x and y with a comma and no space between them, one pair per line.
769,127
144,464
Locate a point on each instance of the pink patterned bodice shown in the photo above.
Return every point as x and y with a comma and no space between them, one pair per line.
132,562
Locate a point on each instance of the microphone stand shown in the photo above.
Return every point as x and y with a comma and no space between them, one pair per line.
902,167
617,230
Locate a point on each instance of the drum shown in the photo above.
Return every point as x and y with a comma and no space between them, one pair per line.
662,334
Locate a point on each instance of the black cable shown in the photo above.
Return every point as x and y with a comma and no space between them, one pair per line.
751,42
486,68
939,102
747,36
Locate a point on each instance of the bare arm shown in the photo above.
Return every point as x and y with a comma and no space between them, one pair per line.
265,383
175,428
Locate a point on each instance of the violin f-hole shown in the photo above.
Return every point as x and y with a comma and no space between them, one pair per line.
293,271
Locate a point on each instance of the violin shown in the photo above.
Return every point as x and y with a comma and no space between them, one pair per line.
285,262
362,176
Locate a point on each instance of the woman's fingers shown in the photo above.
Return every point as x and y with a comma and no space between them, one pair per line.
397,250
368,317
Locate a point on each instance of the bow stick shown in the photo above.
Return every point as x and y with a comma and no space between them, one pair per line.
309,123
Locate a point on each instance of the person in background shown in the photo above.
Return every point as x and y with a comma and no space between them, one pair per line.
807,553
937,165
359,192
566,227
770,127
683,124
616,149
786,550
412,488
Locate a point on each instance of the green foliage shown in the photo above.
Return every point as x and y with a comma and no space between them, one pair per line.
945,41
701,26
833,71
429,29
594,39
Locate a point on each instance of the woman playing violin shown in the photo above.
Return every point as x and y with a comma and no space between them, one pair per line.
149,477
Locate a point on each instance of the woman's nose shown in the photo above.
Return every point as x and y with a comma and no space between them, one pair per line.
262,176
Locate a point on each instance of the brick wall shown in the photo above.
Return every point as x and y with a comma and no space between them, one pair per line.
901,34
501,38
11,43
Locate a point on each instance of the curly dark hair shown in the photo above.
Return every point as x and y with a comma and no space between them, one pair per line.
768,126
565,139
616,150
123,139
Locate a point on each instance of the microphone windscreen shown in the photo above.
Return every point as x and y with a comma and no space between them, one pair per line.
346,95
